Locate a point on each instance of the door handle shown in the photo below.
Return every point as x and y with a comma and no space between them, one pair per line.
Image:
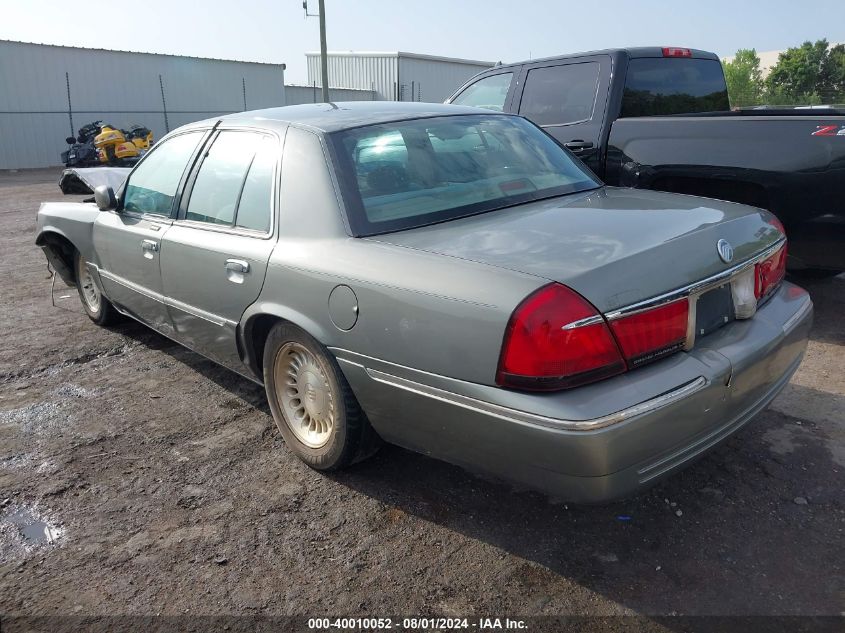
237,265
149,245
578,145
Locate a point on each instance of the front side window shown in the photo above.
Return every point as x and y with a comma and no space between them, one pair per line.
234,183
489,93
560,95
401,175
153,184
674,85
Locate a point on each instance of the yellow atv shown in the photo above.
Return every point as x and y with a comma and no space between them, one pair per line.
121,147
141,137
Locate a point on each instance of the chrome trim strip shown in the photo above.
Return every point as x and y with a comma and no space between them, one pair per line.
792,321
141,290
590,320
361,360
171,303
223,228
523,417
695,288
199,313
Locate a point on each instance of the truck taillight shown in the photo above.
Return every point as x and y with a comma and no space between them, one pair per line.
556,339
769,273
651,334
674,51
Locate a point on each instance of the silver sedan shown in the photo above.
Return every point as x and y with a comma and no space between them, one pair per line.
449,280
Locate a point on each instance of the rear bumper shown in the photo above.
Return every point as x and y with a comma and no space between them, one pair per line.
605,440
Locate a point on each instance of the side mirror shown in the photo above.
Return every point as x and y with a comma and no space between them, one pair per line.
104,198
70,140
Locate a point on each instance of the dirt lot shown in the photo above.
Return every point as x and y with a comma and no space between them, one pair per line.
138,478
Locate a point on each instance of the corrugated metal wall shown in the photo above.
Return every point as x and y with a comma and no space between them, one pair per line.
376,72
312,94
396,76
433,80
118,87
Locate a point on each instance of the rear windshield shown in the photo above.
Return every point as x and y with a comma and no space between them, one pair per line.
674,85
407,174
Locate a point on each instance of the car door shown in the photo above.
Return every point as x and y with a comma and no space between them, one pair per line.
214,256
567,99
128,239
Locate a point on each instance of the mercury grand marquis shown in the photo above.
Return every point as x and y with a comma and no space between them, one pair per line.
450,280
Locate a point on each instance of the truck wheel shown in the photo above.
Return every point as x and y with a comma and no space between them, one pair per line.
313,405
97,307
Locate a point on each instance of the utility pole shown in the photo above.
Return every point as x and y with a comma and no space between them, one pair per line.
324,59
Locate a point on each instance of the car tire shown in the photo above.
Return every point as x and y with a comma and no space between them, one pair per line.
312,403
99,309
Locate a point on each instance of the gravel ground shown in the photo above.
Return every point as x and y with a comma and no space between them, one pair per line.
139,478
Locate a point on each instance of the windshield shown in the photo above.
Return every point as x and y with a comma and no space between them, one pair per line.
407,174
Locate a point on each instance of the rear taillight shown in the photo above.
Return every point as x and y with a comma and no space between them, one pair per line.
769,273
555,340
651,334
674,51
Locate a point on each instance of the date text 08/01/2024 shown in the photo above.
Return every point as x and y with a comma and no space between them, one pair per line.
484,623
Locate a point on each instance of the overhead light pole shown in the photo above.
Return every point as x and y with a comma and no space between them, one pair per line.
324,59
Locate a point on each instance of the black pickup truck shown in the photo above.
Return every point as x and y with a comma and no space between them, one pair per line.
659,118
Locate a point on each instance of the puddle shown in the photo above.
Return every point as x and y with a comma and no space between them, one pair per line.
33,530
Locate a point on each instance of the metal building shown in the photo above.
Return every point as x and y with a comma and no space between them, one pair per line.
396,76
48,92
296,94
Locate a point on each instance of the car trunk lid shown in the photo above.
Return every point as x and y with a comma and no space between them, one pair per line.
616,247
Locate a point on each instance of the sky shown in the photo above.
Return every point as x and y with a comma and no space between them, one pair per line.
492,30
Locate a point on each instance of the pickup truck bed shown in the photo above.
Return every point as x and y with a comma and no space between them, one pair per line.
773,162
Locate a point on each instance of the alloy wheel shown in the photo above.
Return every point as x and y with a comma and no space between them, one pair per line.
305,395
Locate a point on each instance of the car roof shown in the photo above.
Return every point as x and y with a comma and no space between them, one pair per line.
333,117
638,51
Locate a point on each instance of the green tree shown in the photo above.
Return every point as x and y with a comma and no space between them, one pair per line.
800,76
744,78
834,73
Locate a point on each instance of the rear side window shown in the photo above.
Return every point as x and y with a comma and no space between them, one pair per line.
489,93
153,184
234,183
674,85
560,95
256,198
